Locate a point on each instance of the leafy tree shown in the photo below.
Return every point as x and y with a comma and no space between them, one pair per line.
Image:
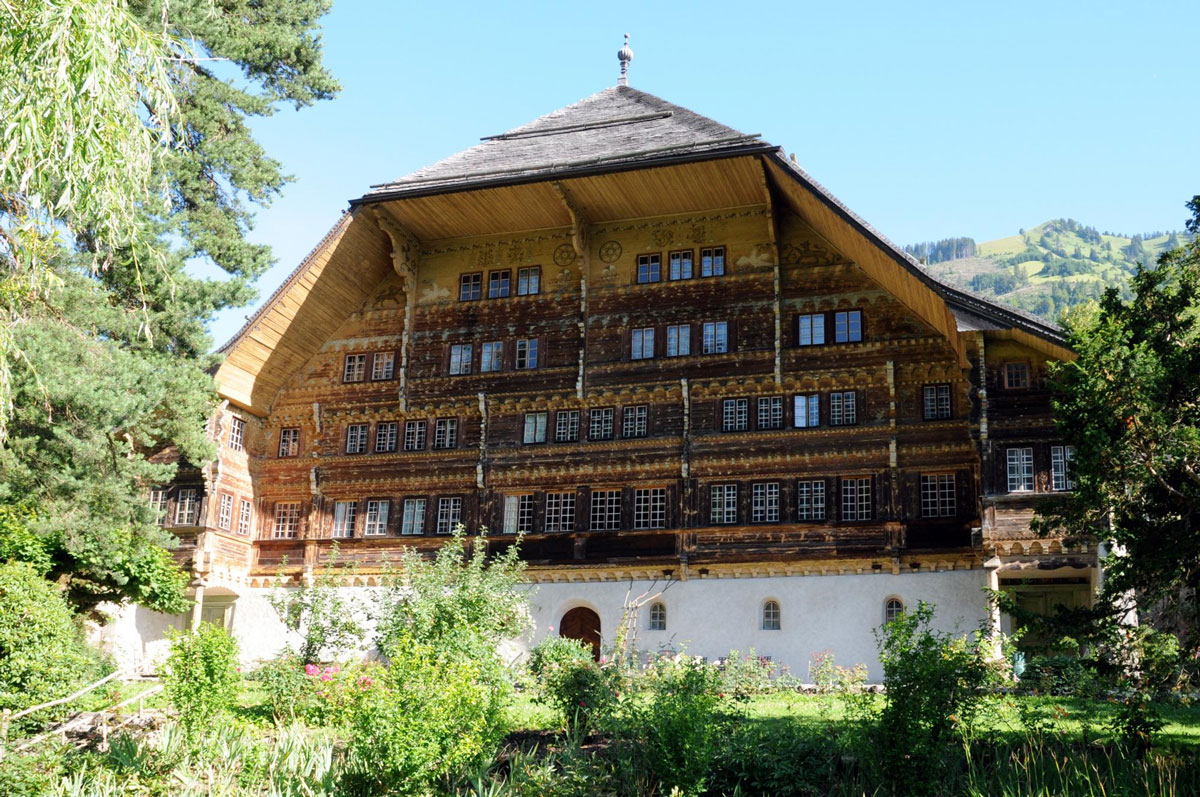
320,614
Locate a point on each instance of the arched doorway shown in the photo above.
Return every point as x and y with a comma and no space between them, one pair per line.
583,624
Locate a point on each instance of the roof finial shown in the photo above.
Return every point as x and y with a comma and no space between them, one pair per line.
624,55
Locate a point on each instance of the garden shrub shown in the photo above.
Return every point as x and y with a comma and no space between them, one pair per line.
571,682
317,695
778,758
744,676
200,676
320,613
1063,675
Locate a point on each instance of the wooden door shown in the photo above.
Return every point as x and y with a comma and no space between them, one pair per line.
583,624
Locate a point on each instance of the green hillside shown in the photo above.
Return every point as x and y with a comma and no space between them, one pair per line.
1048,268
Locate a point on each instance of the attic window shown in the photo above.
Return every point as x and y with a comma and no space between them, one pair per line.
1016,376
712,261
470,286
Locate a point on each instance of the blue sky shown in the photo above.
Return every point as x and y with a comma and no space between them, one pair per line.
928,119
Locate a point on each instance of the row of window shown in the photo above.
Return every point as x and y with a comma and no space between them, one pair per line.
187,509
1021,473
499,283
381,365
681,264
375,517
492,356
771,616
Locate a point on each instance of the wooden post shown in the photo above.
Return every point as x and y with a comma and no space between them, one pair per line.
198,607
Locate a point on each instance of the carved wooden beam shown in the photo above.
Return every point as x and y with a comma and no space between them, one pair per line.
580,240
773,233
406,256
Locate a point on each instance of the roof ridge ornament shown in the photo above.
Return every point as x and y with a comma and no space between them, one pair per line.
624,55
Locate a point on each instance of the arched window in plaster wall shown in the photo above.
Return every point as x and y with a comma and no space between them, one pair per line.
892,608
658,616
771,616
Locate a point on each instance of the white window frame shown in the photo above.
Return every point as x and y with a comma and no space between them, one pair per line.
810,329
856,498
286,525
1021,368
187,506
560,512
712,261
735,415
527,354
1060,468
806,411
354,368
770,412
715,337
289,441
535,427
445,433
412,518
383,365
376,521
518,513
938,495
936,402
680,265
237,434
491,356
449,514
566,426
529,281
649,268
1020,469
847,326
635,421
600,423
843,408
650,508
356,438
460,359
344,515
679,340
225,512
641,344
245,518
158,504
810,499
386,434
500,283
723,504
470,286
605,510
414,434
764,502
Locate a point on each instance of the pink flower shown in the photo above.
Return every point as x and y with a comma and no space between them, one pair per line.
604,660
239,669
365,682
311,669
325,676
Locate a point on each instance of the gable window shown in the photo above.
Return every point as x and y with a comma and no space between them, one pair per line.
343,518
518,513
445,433
606,510
529,281
679,340
650,508
658,616
245,518
225,513
635,421
856,498
937,495
470,286
847,326
560,511
414,435
735,415
810,500
936,402
460,359
498,284
1020,470
770,412
449,514
764,502
237,434
355,368
680,265
806,411
722,504
383,365
158,505
771,616
1016,376
649,268
810,330
527,353
535,427
385,436
642,344
377,518
1060,467
412,520
186,507
712,261
842,409
600,424
289,442
287,520
491,356
715,339
892,609
566,426
356,438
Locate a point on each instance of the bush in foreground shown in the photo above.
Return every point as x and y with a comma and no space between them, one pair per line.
201,676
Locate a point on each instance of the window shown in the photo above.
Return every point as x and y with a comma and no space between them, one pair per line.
289,442
606,510
649,268
566,426
377,518
498,284
527,353
385,436
529,281
771,616
518,513
764,502
806,411
892,609
658,616
634,421
856,498
383,365
723,503
679,340
600,424
716,337
810,330
937,495
356,438
355,368
770,412
445,433
650,508
412,521
680,265
287,520
344,513
469,286
642,344
560,511
491,356
1020,470
712,261
186,507
847,326
449,514
810,500
1060,466
1016,376
842,410
535,427
225,512
237,435
460,359
735,415
414,435
936,402
245,518
158,504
